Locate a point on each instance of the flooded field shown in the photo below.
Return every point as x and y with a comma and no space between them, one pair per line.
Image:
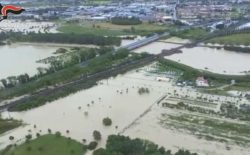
214,60
115,98
28,26
174,138
205,58
20,59
118,99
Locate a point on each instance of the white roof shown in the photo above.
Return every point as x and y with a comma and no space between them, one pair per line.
247,25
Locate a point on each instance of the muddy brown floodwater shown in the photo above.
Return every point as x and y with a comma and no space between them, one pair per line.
117,98
214,60
205,58
20,59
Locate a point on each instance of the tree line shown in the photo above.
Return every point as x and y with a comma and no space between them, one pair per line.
121,145
80,55
126,21
237,49
60,38
12,81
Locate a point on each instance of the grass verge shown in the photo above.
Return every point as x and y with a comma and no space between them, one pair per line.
209,128
48,145
191,34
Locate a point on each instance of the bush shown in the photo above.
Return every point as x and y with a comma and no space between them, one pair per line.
142,91
11,138
97,135
121,145
58,134
28,137
107,121
92,145
49,131
61,51
237,49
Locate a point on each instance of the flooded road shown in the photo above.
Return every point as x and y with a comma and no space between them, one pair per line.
20,59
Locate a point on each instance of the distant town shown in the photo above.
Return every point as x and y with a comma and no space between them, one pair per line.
209,13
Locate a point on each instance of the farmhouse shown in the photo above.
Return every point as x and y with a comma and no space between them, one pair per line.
202,82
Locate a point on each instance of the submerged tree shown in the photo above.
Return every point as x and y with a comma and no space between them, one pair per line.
92,145
107,121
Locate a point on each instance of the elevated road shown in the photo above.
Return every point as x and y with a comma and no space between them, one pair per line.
156,37
143,42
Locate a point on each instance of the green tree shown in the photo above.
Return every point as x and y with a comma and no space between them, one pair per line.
11,138
4,82
58,134
12,80
92,145
28,137
24,78
97,135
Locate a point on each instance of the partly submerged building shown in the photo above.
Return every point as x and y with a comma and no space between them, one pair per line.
202,82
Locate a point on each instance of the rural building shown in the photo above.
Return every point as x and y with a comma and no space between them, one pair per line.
202,82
